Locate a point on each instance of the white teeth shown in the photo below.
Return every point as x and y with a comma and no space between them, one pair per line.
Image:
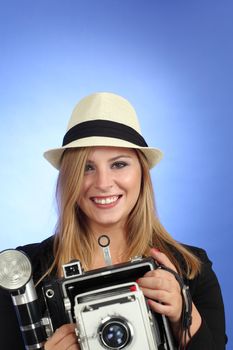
105,200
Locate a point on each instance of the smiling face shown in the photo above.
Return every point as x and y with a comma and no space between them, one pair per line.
111,187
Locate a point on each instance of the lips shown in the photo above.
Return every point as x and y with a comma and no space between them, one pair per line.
105,200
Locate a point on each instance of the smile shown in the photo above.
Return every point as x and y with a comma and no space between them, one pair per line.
106,200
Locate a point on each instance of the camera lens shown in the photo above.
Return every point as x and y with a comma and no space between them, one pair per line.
115,333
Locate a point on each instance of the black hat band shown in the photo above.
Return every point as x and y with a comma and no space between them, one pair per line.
104,128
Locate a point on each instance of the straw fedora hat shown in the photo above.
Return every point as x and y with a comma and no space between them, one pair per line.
103,119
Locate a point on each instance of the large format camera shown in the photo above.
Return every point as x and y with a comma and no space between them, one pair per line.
109,309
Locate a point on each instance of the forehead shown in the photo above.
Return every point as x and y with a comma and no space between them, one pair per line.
111,152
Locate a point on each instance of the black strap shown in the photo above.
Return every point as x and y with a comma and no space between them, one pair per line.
186,318
104,128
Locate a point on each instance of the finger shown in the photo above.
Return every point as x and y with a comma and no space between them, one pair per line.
159,284
160,273
162,259
159,296
60,334
164,309
159,280
73,347
68,343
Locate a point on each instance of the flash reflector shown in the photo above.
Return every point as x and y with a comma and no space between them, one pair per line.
15,269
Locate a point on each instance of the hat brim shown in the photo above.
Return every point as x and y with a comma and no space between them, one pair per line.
53,156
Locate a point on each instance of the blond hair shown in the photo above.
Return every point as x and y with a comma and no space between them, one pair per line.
73,240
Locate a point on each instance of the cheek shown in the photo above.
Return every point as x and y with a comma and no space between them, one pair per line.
133,182
83,195
85,186
138,183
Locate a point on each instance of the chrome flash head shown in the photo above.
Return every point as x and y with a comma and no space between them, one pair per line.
15,269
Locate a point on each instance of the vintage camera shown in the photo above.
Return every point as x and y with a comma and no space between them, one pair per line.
108,307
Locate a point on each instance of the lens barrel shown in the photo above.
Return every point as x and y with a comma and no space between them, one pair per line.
115,333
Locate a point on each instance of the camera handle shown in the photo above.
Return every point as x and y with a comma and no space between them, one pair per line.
16,278
186,319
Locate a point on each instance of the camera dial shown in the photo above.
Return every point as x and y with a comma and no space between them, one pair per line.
115,332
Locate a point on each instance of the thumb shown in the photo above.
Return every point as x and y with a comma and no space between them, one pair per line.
162,259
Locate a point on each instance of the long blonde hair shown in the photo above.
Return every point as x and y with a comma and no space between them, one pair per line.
73,240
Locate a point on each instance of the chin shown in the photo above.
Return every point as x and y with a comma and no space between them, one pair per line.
109,223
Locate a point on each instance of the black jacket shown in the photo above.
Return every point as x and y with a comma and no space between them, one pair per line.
205,291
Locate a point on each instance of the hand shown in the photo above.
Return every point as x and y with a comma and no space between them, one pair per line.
162,289
64,338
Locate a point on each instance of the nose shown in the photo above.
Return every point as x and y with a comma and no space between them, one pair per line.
103,180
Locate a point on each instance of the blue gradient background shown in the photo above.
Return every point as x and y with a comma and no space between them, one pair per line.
172,59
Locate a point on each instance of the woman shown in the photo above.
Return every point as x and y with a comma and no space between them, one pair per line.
104,187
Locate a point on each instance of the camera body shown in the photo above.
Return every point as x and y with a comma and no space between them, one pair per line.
108,307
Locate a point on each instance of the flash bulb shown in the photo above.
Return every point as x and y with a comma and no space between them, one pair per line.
15,269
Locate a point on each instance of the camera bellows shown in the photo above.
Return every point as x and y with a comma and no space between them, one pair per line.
15,269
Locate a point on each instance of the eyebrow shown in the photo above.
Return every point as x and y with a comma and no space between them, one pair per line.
114,158
120,156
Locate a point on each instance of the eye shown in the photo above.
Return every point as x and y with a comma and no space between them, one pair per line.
88,168
119,165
